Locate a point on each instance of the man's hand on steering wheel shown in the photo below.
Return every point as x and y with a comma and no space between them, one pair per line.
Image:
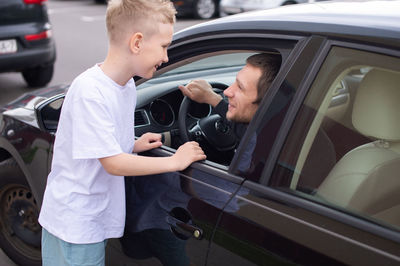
201,91
215,136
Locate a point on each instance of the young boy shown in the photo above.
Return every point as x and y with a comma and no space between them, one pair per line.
84,201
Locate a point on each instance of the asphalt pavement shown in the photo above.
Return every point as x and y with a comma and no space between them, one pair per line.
4,260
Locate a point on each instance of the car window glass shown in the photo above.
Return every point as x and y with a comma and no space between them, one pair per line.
227,63
343,150
213,62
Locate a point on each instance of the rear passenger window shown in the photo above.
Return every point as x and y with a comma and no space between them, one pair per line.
344,147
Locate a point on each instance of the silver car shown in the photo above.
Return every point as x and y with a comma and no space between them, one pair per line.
229,7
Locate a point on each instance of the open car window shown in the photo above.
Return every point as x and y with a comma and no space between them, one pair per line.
163,108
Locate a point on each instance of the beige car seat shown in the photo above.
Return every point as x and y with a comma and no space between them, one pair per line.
367,179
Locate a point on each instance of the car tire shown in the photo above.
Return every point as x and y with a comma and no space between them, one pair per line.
205,9
20,232
100,1
289,3
38,76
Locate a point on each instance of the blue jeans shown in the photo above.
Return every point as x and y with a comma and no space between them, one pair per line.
56,252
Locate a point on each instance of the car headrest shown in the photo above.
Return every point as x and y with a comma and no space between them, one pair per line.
376,110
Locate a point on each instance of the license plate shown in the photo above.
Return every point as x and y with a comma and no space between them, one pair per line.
8,46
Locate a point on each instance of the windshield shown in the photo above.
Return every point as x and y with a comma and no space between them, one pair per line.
213,62
195,68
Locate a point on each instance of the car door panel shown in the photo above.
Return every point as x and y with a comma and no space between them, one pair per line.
319,228
204,192
272,222
188,203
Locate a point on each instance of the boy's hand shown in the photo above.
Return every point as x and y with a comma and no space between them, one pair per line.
187,154
147,142
201,92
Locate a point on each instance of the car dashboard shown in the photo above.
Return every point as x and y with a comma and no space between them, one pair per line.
159,100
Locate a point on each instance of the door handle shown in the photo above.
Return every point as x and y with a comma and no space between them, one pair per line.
181,224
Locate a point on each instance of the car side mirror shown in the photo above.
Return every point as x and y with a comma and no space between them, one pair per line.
48,113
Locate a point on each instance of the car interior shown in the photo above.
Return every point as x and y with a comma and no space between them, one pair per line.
163,108
350,154
366,178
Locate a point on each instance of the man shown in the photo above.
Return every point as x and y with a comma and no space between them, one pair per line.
245,94
149,198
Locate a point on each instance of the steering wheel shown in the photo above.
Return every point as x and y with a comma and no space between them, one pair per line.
213,132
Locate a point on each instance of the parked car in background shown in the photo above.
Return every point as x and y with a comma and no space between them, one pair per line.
229,7
203,9
314,179
26,42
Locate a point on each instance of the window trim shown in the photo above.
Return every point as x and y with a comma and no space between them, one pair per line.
218,43
314,44
288,199
214,169
265,103
302,93
183,49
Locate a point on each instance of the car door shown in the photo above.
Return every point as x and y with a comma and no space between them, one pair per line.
326,190
190,204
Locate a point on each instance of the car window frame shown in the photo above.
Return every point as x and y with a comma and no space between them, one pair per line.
217,43
304,89
307,45
267,100
290,199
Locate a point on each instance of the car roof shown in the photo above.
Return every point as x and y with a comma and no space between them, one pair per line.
372,19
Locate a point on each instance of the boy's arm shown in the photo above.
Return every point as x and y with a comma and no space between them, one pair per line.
125,164
147,142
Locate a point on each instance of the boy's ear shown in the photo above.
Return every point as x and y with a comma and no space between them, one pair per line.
135,42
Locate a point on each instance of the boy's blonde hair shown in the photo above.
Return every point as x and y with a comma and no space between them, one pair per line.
129,16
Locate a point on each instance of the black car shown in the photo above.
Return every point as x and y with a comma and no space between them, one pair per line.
315,179
203,9
26,42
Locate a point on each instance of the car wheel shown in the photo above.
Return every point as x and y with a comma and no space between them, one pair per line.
39,76
289,3
20,232
205,9
101,1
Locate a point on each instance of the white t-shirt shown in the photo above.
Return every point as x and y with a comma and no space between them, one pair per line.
82,203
